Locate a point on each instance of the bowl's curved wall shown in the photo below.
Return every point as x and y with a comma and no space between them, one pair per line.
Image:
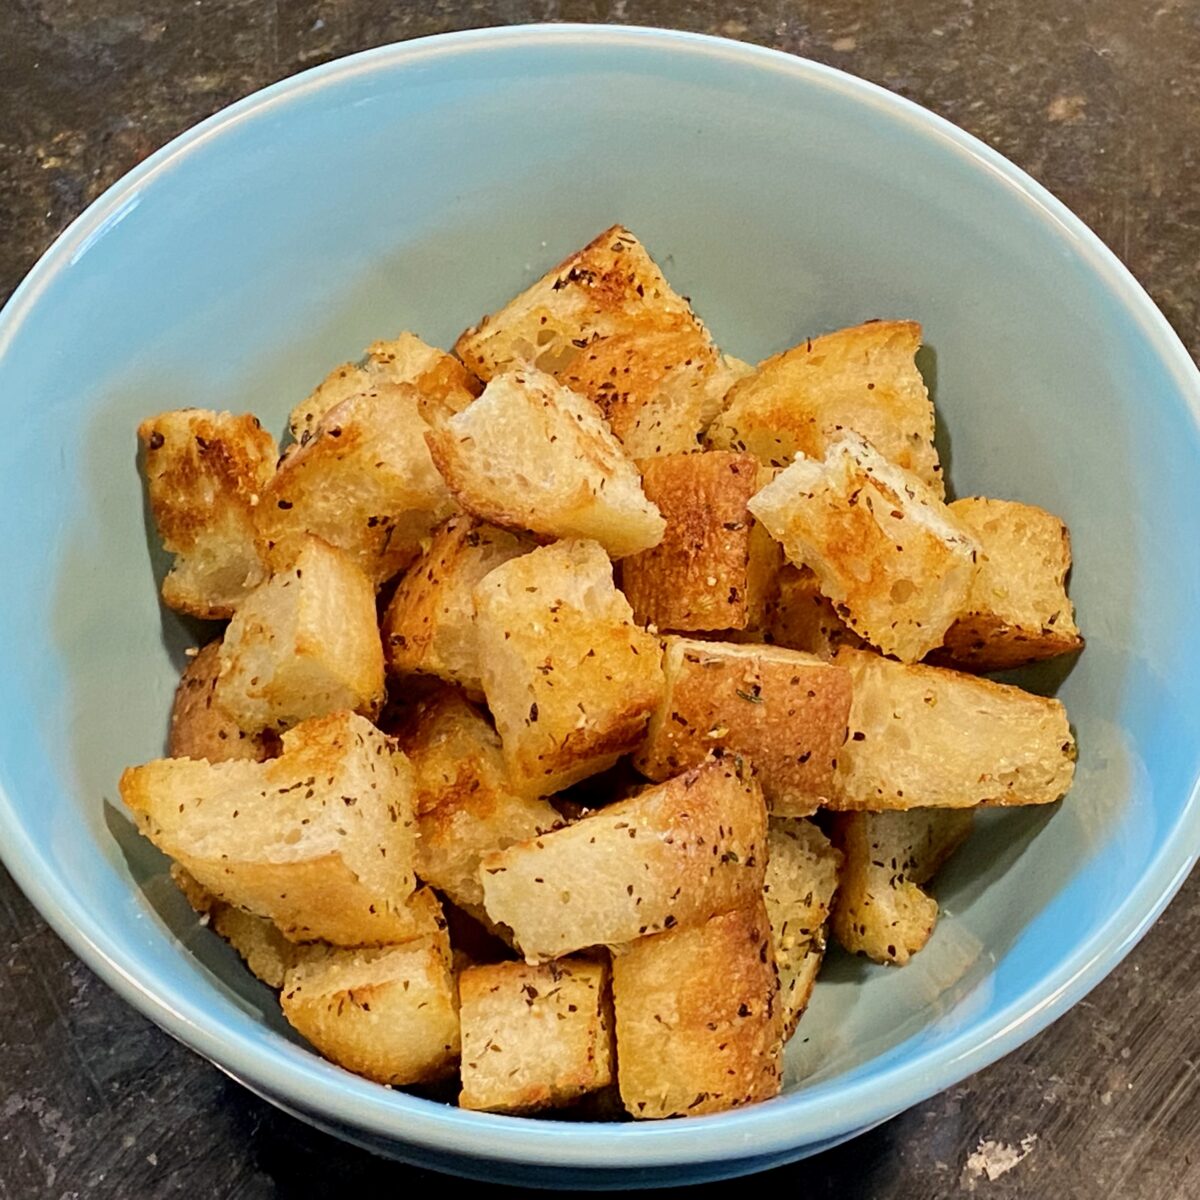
418,186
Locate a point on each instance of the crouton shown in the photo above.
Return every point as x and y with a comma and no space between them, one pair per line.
784,711
388,1013
321,839
697,1014
303,644
570,680
802,877
439,378
798,617
672,856
1017,610
530,454
702,575
891,556
862,379
429,627
363,482
881,910
205,472
463,803
606,324
534,1037
926,737
200,727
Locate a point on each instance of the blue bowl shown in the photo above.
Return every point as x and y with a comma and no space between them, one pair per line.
418,186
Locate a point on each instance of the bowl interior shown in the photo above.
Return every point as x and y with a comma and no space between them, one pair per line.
417,187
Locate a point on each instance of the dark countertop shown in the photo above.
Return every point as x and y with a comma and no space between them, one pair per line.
1099,99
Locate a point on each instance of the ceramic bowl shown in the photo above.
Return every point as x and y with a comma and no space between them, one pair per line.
418,186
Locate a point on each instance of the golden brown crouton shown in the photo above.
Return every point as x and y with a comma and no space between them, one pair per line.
672,856
1017,610
530,454
802,877
798,617
698,1023
862,379
429,627
881,910
463,803
570,680
303,644
702,575
205,472
534,1036
389,1013
784,711
363,482
607,324
322,839
890,555
200,727
439,377
925,737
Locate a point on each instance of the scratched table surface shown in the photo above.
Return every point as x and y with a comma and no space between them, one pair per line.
1099,99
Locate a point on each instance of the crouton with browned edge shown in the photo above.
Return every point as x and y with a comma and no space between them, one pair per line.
200,727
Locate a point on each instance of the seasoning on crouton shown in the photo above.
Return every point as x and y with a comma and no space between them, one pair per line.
463,803
303,644
205,474
363,482
530,454
698,1022
200,727
534,1037
389,1013
320,839
881,910
607,324
429,627
862,379
672,856
570,680
703,574
802,877
894,560
1017,610
926,737
784,711
440,379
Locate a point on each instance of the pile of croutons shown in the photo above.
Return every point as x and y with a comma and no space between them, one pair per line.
540,659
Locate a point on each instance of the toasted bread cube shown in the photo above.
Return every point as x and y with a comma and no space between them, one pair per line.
570,680
363,481
881,910
926,737
389,1013
205,472
674,855
200,727
702,574
530,454
1017,610
321,839
304,644
784,711
534,1036
607,324
799,617
894,560
802,877
429,627
463,803
862,379
439,378
698,1022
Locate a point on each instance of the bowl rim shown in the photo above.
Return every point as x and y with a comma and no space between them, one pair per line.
830,1110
